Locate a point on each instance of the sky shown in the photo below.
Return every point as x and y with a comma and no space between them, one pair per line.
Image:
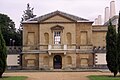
88,9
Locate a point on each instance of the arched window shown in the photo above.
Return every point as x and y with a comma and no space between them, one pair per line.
45,60
69,38
46,36
69,60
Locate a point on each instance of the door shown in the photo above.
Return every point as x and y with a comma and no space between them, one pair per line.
57,62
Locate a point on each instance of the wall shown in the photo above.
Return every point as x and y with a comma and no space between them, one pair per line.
30,28
30,61
100,59
84,27
46,28
88,57
13,60
99,36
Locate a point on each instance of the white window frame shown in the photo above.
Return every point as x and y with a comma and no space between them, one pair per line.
57,37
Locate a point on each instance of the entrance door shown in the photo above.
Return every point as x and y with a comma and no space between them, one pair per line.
57,62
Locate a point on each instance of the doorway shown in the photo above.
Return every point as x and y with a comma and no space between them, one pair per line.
57,62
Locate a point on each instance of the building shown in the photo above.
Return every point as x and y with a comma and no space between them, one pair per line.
114,21
62,41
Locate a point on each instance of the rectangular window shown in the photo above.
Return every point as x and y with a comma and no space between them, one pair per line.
57,37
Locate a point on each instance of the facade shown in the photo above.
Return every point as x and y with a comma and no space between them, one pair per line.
61,41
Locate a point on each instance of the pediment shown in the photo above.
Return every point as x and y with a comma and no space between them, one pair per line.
58,18
57,27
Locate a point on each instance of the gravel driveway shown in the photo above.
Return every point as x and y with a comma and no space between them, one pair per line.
55,75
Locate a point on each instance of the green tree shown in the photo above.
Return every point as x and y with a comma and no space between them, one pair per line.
118,42
111,49
3,55
28,13
9,31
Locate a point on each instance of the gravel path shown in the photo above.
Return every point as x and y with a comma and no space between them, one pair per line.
56,75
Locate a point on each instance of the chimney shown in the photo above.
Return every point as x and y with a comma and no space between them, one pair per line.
96,21
112,9
107,14
99,20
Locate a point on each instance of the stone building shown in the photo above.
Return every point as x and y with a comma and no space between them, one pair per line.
60,41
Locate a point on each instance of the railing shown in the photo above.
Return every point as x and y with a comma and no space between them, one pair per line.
30,47
86,47
43,47
71,47
57,47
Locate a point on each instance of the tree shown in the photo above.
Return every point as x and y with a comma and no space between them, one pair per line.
118,42
7,28
10,35
111,49
28,13
3,55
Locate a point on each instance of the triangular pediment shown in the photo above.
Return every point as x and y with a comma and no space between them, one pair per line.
58,18
57,27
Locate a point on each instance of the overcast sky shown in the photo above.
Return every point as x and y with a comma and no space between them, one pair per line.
88,9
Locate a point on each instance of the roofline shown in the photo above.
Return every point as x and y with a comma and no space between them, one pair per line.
112,18
63,14
86,21
29,22
58,22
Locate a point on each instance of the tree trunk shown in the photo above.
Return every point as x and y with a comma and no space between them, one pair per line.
1,74
115,74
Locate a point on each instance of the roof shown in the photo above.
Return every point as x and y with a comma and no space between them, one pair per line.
49,15
112,19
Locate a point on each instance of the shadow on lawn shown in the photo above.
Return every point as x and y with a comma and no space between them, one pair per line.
109,76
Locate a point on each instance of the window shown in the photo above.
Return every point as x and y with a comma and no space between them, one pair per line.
57,37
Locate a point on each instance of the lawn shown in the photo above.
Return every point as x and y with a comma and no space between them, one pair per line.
14,78
103,77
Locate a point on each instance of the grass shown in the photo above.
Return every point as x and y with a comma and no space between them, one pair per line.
103,77
14,78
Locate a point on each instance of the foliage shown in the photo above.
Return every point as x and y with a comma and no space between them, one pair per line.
28,13
3,55
103,77
9,31
111,49
118,42
15,78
